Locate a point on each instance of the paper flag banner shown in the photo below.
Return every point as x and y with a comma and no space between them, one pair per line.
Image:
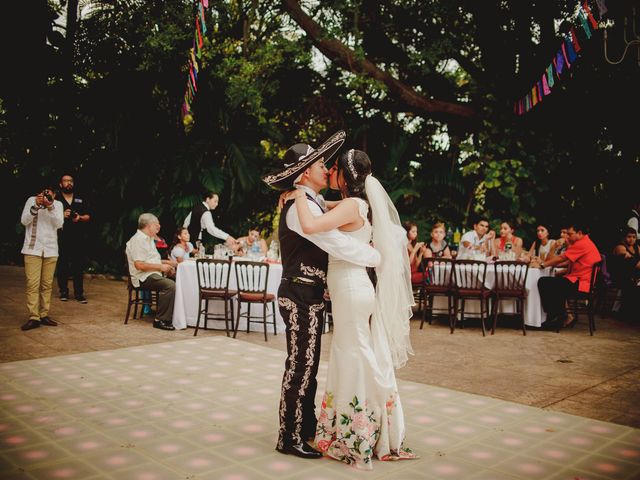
574,40
545,85
550,79
564,53
202,22
592,20
193,60
602,8
585,25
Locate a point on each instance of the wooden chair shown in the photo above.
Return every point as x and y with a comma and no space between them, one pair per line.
418,294
510,284
136,299
438,281
586,302
213,285
469,284
252,278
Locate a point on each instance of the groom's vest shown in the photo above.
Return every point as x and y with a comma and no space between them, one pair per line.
302,260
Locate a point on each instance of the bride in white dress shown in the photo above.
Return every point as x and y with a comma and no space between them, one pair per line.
361,414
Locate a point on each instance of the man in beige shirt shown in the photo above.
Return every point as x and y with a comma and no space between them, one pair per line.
146,268
42,216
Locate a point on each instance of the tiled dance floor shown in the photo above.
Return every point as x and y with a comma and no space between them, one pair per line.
207,408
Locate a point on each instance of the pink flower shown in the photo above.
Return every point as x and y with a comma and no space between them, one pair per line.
360,421
390,404
344,450
323,445
323,417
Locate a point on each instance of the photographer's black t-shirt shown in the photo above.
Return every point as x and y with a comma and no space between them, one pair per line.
78,204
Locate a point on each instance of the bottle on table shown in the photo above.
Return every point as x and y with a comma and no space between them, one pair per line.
456,236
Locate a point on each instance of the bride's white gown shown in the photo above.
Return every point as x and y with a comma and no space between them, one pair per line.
361,414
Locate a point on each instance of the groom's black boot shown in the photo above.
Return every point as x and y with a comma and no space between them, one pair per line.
301,450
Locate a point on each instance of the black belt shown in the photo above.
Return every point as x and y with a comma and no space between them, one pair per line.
302,281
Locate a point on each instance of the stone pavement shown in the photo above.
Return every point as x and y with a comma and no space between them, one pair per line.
596,377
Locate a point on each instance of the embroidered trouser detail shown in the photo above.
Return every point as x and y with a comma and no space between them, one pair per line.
300,307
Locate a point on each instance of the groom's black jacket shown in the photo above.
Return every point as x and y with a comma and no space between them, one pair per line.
302,260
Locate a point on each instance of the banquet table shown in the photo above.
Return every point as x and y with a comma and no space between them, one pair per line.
185,307
534,316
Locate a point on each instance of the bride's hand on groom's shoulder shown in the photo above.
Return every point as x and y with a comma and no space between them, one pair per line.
285,197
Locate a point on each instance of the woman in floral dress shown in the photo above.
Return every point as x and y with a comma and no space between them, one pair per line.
361,414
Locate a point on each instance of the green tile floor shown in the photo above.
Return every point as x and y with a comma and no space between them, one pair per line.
207,409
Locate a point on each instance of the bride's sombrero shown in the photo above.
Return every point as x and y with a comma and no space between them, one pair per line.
300,157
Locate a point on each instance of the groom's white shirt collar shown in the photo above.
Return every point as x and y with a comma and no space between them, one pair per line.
308,190
319,199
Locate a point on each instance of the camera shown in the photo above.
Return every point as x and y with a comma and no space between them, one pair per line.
74,214
46,193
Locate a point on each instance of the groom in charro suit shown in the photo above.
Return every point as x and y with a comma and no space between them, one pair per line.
300,296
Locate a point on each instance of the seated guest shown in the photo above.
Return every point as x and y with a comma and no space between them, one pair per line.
629,252
181,247
416,250
253,243
561,244
543,245
476,240
559,248
507,241
146,268
438,246
581,254
625,269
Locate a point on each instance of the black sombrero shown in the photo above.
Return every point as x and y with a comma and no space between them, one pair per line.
299,157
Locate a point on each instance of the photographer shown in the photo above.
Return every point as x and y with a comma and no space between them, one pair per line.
72,240
42,216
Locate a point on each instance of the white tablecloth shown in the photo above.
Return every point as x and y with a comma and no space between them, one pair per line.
534,316
185,307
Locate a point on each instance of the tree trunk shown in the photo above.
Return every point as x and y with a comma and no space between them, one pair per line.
347,58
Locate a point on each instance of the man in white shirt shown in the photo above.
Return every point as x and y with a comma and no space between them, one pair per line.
300,296
203,221
42,216
146,268
476,240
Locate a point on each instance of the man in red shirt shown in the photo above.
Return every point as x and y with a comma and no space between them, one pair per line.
582,254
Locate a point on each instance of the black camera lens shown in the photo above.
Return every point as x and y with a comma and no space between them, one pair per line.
47,194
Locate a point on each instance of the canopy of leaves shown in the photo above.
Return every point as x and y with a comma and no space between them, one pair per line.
107,109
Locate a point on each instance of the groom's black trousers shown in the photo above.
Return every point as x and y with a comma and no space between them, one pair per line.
301,308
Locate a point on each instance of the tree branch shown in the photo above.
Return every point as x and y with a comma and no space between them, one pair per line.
347,58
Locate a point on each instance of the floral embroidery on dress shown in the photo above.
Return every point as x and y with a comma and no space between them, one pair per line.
314,272
351,437
391,404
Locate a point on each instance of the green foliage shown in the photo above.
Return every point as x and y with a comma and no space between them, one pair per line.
115,121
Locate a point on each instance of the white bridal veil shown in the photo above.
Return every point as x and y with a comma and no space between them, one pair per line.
394,296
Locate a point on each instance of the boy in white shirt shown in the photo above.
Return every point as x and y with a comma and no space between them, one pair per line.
476,240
